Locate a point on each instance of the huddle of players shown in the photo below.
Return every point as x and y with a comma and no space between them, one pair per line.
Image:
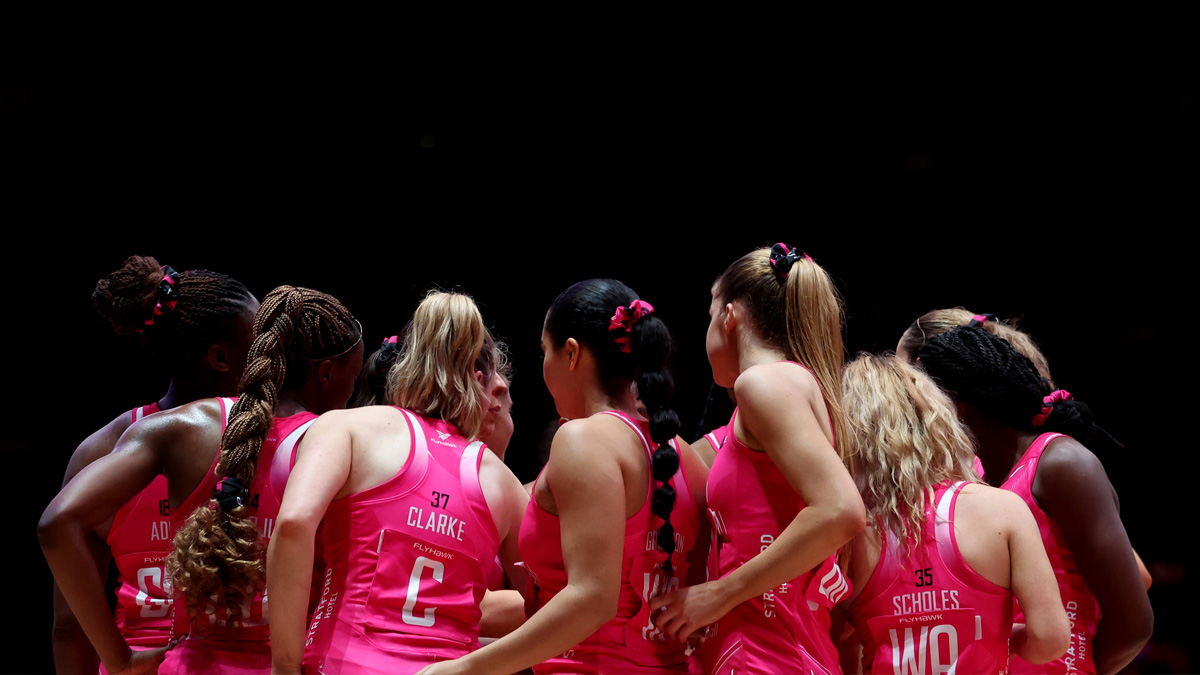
838,522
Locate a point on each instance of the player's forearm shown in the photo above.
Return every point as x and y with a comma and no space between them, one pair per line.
813,535
568,619
289,568
1119,639
70,560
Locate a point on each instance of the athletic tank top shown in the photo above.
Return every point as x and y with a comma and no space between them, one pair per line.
212,646
406,562
932,613
1082,610
786,629
629,643
140,539
716,437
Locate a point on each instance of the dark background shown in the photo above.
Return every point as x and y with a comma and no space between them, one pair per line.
1051,177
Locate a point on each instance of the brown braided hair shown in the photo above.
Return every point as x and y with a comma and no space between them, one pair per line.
209,306
218,552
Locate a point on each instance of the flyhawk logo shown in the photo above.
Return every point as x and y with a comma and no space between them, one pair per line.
443,436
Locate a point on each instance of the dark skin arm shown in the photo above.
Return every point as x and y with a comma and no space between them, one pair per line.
73,653
158,444
1072,487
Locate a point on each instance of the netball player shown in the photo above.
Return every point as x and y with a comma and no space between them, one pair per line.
306,352
1034,438
935,572
614,513
197,324
781,501
412,508
939,321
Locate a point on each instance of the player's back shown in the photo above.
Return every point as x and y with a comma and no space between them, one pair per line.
929,611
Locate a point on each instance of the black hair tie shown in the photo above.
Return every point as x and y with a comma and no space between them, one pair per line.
230,493
783,257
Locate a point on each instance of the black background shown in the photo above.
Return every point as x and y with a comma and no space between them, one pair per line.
1048,175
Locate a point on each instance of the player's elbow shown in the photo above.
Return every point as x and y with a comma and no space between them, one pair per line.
1046,640
849,518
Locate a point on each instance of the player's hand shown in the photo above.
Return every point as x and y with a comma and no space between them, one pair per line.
141,662
681,613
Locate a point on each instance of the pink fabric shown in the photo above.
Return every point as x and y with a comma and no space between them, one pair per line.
211,646
932,613
785,630
717,437
407,562
140,539
1081,606
629,643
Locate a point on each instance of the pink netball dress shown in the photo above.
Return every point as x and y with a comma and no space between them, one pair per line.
1082,609
716,437
140,539
932,613
406,562
785,630
211,644
629,643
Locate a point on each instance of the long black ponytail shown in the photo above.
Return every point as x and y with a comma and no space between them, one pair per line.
632,346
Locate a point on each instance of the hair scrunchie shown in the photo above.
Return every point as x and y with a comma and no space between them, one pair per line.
783,257
167,290
1048,402
230,493
387,354
625,318
980,319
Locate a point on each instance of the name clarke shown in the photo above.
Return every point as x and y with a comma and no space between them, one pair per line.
436,522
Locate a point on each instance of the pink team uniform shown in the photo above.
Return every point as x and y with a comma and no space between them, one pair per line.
1082,609
406,562
932,613
140,539
785,630
211,646
716,437
629,643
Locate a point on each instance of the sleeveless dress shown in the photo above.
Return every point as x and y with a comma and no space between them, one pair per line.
932,613
1082,610
211,645
406,562
629,643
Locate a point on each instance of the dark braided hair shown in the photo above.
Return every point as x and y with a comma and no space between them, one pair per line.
584,312
218,549
986,372
208,308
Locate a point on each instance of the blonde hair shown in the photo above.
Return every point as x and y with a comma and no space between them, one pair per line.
939,321
436,376
904,439
800,314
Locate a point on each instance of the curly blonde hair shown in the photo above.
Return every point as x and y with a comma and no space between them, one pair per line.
904,439
218,554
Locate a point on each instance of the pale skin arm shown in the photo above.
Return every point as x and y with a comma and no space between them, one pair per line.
91,499
589,494
321,471
776,415
503,611
697,477
1045,635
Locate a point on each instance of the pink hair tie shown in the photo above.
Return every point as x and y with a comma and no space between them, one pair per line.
626,317
166,295
1048,402
783,257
